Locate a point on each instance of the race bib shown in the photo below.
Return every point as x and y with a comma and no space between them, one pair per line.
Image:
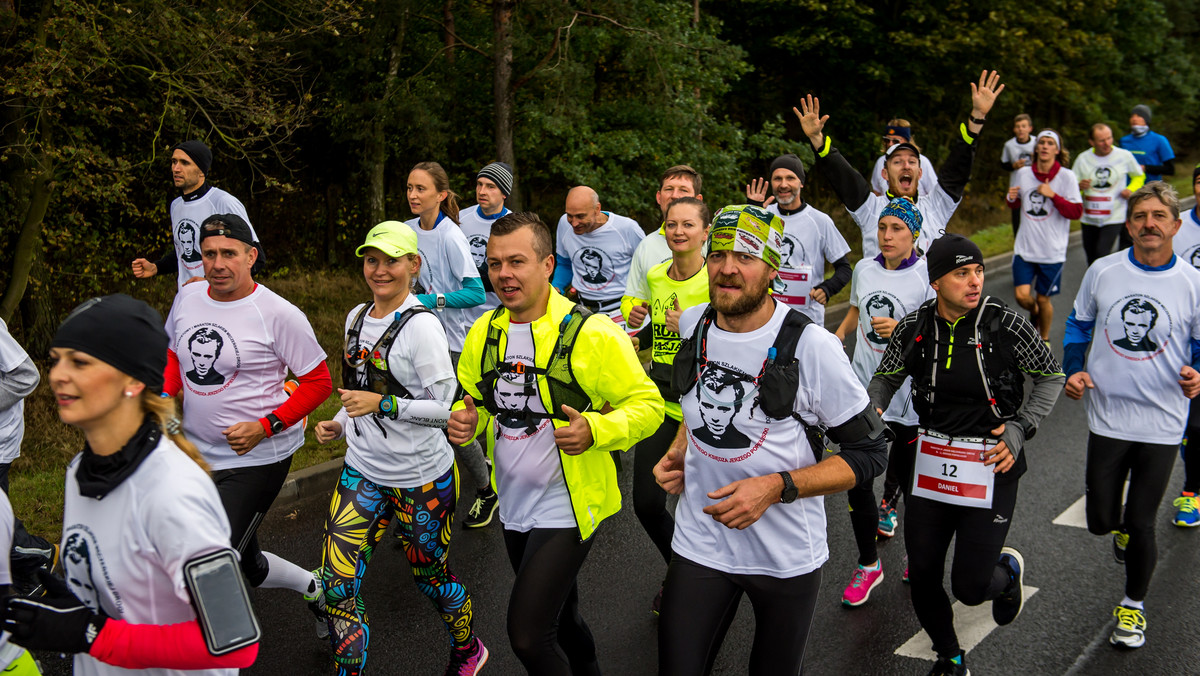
952,471
795,285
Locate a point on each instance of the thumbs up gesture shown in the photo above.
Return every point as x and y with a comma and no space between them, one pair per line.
461,426
576,437
672,316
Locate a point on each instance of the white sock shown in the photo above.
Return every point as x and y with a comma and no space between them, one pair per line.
1130,603
283,574
874,566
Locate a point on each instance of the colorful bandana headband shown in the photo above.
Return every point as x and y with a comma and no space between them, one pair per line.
748,229
1052,134
903,132
904,209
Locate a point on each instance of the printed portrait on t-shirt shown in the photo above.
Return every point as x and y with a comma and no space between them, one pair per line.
722,396
1037,204
1137,327
204,348
1028,157
593,264
84,570
517,398
791,246
189,247
419,284
1103,178
878,305
478,246
1194,258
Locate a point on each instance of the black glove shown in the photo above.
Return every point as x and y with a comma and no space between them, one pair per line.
57,622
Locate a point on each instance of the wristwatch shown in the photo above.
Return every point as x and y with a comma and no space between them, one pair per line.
441,301
277,425
789,492
387,405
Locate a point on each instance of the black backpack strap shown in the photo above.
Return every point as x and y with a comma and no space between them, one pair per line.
692,354
353,351
789,334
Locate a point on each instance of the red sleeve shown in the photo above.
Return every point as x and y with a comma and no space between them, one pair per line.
164,646
315,387
172,381
1013,204
1068,209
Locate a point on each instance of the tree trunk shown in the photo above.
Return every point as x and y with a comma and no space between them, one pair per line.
448,34
502,89
28,241
376,145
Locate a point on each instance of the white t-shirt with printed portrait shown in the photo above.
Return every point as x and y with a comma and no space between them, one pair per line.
445,262
652,251
1015,150
810,239
1145,322
926,185
390,452
600,259
477,227
124,555
1044,231
1109,174
233,357
12,419
729,438
1186,242
186,218
529,477
879,292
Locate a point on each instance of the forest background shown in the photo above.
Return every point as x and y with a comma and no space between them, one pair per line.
316,109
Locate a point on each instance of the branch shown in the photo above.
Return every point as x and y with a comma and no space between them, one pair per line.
457,40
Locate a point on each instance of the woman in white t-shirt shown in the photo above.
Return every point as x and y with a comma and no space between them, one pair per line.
397,387
450,284
142,521
884,289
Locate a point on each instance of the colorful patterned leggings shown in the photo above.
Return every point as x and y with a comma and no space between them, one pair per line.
359,515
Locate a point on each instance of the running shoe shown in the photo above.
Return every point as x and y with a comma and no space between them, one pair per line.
859,589
1188,515
469,660
1007,606
951,666
1131,627
483,509
1120,542
905,578
887,520
316,605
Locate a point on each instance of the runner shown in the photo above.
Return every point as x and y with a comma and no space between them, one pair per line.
1141,311
558,391
677,181
14,659
900,131
397,387
1018,152
1107,177
1186,244
755,375
903,169
675,286
198,199
809,240
493,185
595,252
451,285
1152,150
152,583
884,291
974,428
232,342
1047,194
18,379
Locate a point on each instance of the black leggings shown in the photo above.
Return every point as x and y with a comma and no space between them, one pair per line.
1016,221
1191,461
864,514
975,576
545,628
1148,467
247,494
1098,240
699,604
649,499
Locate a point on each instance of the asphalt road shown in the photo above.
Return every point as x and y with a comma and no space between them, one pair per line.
1063,630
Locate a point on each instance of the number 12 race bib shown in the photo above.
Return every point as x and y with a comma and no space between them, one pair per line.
795,285
952,470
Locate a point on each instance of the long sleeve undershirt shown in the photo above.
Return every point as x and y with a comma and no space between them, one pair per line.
470,295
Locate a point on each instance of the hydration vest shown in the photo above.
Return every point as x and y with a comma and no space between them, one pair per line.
560,379
376,376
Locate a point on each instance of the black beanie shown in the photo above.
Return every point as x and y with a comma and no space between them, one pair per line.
790,162
199,153
950,252
499,173
1143,110
121,331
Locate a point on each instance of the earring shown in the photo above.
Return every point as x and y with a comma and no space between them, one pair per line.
129,394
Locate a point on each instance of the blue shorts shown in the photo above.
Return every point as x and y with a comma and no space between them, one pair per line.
1043,276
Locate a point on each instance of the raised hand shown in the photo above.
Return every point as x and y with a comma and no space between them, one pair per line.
756,191
811,120
983,95
461,426
672,316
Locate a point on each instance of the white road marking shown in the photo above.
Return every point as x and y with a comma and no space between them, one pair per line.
1076,515
971,623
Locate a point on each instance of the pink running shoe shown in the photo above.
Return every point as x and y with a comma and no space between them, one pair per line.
859,589
467,661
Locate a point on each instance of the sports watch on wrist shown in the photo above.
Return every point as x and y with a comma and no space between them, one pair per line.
441,301
789,492
387,405
277,425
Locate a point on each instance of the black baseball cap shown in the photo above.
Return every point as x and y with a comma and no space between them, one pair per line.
227,225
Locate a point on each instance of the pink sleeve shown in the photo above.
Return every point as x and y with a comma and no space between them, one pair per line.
164,646
1068,209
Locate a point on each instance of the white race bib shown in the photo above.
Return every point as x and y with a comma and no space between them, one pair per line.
795,285
952,471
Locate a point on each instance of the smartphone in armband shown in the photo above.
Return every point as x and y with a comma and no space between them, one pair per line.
222,602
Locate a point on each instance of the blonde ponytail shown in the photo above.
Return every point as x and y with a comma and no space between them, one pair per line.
164,411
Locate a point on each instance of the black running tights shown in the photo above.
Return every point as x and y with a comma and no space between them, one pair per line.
864,513
649,499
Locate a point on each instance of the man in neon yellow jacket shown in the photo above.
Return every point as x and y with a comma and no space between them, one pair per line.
558,391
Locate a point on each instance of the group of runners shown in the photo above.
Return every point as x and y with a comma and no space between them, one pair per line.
490,344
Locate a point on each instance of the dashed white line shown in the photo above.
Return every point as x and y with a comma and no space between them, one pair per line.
971,623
